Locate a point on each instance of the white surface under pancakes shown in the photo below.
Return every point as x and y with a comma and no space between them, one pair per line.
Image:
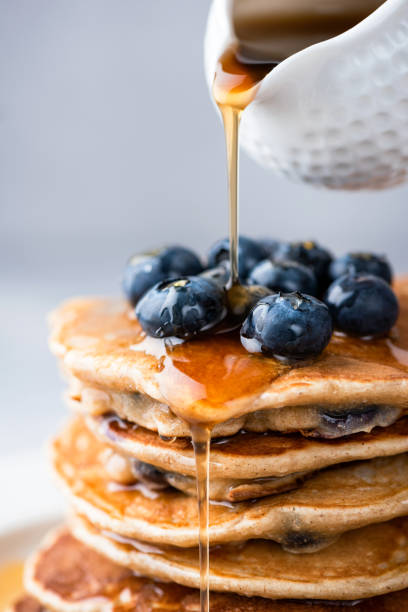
363,563
328,503
100,343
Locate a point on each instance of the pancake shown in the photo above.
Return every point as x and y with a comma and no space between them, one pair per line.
98,584
248,455
328,503
128,471
213,379
363,563
66,575
27,604
328,421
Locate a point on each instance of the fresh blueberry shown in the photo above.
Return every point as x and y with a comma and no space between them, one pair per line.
145,270
335,423
270,246
289,326
309,254
286,276
149,473
141,273
362,305
179,261
249,253
182,308
361,263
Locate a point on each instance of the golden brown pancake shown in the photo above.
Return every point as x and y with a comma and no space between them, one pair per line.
27,604
137,452
128,471
318,421
67,573
362,563
327,504
249,455
214,379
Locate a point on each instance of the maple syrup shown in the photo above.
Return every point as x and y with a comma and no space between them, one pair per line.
235,84
11,583
201,438
279,28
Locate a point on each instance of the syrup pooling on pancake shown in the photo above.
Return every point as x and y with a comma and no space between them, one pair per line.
200,378
214,379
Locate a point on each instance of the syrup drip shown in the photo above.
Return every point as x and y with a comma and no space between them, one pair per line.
201,438
231,118
235,85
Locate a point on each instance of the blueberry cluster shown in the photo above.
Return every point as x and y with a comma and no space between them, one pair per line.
290,297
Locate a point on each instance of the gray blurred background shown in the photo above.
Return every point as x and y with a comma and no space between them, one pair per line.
108,145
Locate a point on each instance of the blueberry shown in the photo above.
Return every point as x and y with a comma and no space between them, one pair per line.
249,253
182,308
289,326
362,305
270,246
286,276
145,270
179,261
309,254
302,541
334,423
141,273
148,472
361,263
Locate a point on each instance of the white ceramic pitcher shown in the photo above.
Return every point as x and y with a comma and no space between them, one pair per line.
334,114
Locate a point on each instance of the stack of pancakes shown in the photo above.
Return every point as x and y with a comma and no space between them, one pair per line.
308,473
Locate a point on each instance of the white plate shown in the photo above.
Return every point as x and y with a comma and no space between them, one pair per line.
29,495
30,506
15,546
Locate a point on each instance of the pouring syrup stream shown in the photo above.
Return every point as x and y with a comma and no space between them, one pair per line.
235,86
231,118
201,438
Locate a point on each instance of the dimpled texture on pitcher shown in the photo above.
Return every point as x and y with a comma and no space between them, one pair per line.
336,114
355,133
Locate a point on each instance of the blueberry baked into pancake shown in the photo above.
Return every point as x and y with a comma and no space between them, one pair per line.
269,419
